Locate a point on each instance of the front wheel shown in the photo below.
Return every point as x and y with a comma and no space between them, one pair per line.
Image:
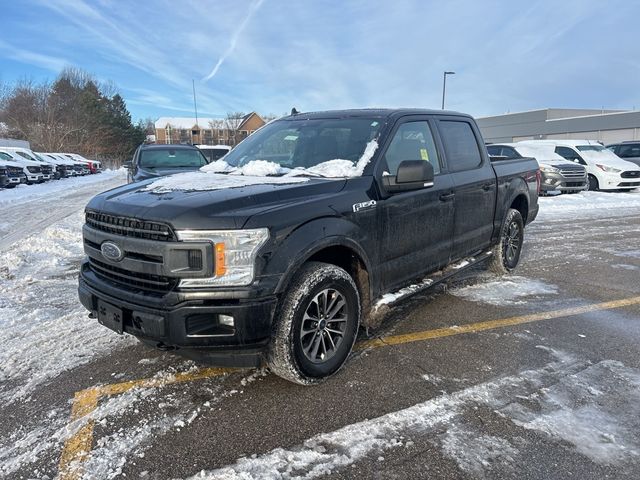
506,254
592,184
315,325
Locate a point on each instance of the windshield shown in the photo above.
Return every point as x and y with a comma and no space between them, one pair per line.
214,154
303,144
26,155
171,158
5,156
590,148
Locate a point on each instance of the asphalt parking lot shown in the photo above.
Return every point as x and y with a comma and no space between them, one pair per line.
536,375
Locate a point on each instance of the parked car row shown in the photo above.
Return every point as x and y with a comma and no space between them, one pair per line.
570,166
21,165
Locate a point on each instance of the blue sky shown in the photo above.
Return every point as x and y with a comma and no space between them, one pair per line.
507,55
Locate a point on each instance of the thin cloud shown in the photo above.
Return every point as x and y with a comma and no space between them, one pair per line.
234,40
48,62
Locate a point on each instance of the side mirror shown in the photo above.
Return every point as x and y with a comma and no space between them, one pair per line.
411,175
128,164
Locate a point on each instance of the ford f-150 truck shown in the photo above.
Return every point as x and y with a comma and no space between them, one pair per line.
281,250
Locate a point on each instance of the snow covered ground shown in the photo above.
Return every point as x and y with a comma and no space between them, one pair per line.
44,332
53,188
543,400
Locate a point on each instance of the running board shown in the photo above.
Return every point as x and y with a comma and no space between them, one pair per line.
429,281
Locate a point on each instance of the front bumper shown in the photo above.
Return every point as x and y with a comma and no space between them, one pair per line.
190,324
551,181
35,177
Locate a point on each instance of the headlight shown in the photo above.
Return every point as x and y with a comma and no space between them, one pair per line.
604,168
234,253
549,168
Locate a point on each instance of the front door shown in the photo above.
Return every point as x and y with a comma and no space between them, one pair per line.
417,225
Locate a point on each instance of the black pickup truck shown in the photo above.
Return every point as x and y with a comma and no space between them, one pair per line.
281,250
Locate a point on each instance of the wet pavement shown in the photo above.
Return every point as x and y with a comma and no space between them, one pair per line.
548,396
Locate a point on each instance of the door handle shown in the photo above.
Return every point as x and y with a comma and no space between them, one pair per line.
445,197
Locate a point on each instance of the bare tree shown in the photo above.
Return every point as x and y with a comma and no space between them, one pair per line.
232,122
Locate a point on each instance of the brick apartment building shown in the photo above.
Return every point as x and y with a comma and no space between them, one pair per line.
206,131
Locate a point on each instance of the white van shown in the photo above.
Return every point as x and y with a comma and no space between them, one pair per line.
606,170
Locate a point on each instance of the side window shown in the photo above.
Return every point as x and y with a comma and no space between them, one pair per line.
494,150
460,145
412,141
569,154
510,153
628,151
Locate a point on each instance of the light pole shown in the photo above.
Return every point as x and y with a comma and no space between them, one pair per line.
444,85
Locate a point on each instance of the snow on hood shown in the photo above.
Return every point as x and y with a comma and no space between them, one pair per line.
219,175
608,158
203,181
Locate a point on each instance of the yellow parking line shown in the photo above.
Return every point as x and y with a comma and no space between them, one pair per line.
76,449
491,324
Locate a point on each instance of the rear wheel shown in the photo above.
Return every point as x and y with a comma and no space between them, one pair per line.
506,254
316,324
592,184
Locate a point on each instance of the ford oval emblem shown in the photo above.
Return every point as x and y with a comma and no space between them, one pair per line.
111,251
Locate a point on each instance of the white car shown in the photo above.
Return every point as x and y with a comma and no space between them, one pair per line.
32,170
214,152
13,174
606,170
48,170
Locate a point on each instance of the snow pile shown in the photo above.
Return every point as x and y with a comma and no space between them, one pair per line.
338,168
219,166
44,330
504,291
51,188
551,400
260,168
588,205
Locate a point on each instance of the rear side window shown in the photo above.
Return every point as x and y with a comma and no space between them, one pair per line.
460,145
629,151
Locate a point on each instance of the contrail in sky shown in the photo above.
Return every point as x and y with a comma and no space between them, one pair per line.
234,39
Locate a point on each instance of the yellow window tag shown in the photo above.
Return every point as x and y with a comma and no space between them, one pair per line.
424,154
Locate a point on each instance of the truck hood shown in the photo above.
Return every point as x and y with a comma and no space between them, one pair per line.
224,208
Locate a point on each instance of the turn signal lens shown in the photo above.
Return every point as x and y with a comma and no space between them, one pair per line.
221,267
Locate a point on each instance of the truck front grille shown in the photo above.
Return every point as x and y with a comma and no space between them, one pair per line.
631,174
129,227
46,170
143,281
569,172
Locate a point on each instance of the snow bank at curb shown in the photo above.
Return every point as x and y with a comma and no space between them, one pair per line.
26,193
44,329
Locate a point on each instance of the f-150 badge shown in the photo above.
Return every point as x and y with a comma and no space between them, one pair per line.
364,205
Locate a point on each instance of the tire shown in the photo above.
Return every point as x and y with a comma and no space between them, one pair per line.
592,184
305,356
506,254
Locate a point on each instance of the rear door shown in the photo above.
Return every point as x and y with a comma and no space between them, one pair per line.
416,226
474,183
